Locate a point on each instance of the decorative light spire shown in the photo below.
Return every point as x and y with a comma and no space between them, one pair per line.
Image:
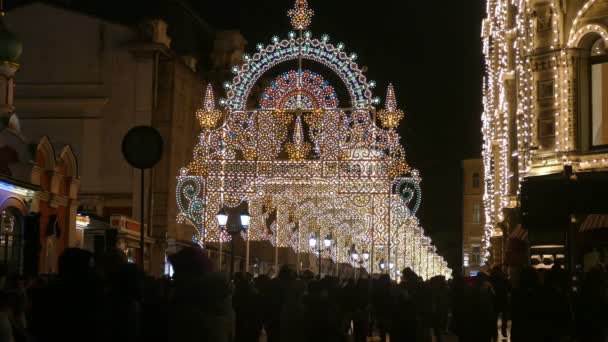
208,116
299,149
301,15
391,100
298,133
391,115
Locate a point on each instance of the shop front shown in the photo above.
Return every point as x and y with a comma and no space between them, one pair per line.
564,217
119,232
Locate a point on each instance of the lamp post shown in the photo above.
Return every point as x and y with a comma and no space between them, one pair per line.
386,267
245,219
222,220
315,242
358,259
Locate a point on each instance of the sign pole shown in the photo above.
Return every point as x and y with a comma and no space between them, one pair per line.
141,222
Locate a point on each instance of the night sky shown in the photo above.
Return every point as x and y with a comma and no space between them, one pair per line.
429,50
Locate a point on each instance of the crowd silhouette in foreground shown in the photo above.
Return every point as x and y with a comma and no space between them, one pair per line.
108,299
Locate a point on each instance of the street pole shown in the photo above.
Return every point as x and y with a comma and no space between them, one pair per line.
276,257
247,254
232,237
141,223
220,258
319,244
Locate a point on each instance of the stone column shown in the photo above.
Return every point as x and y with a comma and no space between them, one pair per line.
7,85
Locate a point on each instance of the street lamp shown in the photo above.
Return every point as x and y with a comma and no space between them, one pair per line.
327,241
222,220
245,220
365,256
314,242
354,255
358,259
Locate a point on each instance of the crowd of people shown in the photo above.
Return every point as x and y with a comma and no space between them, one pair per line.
105,298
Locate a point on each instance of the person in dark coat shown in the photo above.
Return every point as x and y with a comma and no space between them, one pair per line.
200,307
247,308
75,298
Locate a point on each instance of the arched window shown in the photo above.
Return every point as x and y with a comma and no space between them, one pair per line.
11,238
598,94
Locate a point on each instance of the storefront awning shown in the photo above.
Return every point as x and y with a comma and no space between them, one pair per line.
594,222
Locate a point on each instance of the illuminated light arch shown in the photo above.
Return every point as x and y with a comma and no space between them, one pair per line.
316,50
356,182
294,90
584,31
579,16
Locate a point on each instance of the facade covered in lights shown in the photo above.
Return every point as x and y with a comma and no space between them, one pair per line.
545,125
305,162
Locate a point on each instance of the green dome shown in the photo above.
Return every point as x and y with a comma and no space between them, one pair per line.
10,46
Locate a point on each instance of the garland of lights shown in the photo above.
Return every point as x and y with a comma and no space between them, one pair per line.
281,51
504,42
294,90
304,166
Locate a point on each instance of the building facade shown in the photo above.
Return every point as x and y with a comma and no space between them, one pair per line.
472,215
545,124
89,80
39,182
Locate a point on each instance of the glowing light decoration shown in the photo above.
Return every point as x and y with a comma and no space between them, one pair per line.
299,149
301,15
536,91
391,116
304,166
292,49
208,116
304,90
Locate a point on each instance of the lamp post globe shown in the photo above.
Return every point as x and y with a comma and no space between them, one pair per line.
327,241
222,218
312,242
245,219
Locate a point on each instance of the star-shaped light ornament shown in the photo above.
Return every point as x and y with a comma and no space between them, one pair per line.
208,116
301,15
390,116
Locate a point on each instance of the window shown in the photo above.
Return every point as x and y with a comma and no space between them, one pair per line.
476,180
168,268
599,95
546,89
475,255
476,213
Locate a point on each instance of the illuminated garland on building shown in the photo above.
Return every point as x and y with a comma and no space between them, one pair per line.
531,80
304,166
